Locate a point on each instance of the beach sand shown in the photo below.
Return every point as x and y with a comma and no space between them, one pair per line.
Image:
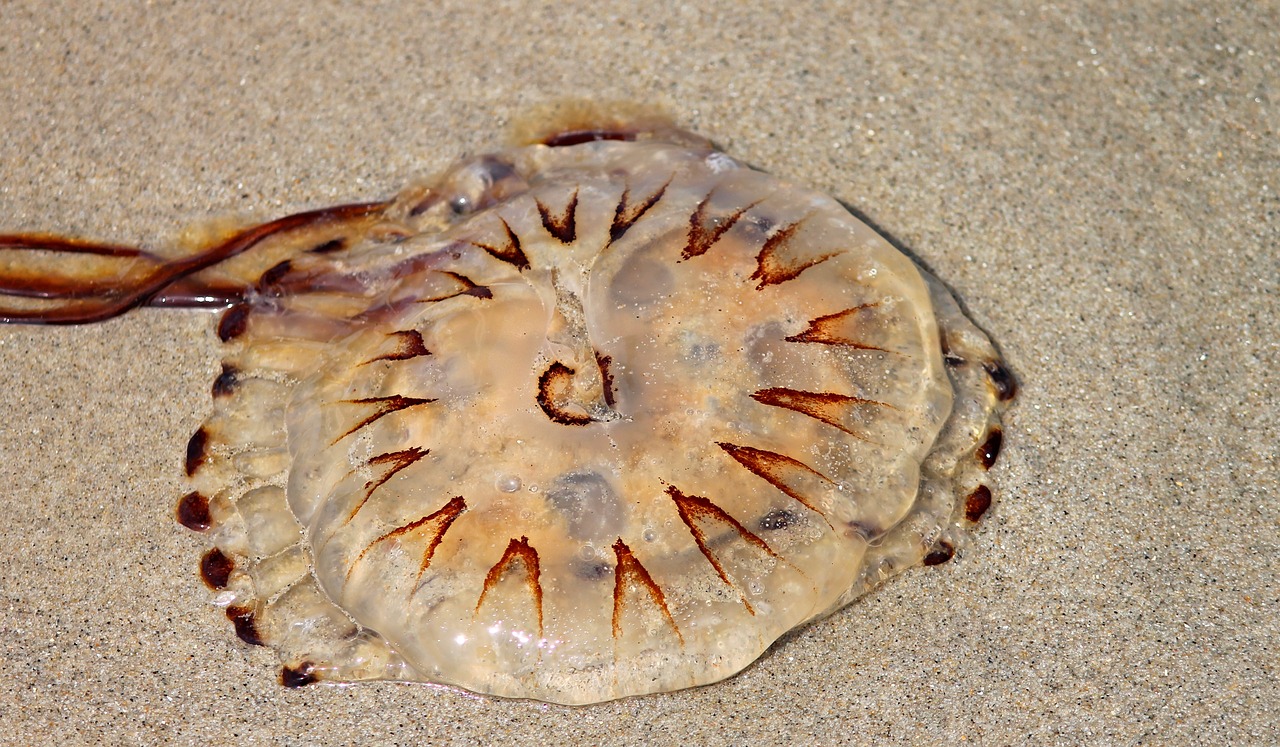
1098,182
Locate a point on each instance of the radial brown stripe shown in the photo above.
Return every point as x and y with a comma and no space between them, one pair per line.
437,524
768,466
772,268
408,343
384,406
398,461
630,569
510,252
827,330
564,227
517,550
701,236
625,216
691,507
824,406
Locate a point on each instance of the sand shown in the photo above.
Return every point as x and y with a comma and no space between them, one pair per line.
1098,181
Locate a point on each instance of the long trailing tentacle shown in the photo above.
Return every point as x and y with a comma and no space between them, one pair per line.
72,281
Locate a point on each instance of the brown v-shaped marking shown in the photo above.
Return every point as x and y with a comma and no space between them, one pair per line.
691,507
771,269
433,526
827,330
564,227
770,467
703,236
510,252
385,406
517,550
627,214
824,406
468,288
409,344
629,569
398,461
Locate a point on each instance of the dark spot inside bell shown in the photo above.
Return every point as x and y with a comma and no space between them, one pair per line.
589,504
778,518
591,570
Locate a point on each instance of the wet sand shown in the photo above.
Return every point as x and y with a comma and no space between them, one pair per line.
1098,182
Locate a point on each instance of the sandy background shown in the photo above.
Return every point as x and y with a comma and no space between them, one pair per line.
1098,181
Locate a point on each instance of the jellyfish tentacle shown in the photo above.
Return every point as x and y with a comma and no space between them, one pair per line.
27,279
112,279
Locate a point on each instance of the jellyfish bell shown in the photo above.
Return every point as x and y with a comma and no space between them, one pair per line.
598,415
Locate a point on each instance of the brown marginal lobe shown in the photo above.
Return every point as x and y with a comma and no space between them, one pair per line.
977,503
234,322
274,275
1002,379
197,450
990,449
193,512
628,570
246,625
216,568
826,330
517,550
225,384
299,675
564,226
941,553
